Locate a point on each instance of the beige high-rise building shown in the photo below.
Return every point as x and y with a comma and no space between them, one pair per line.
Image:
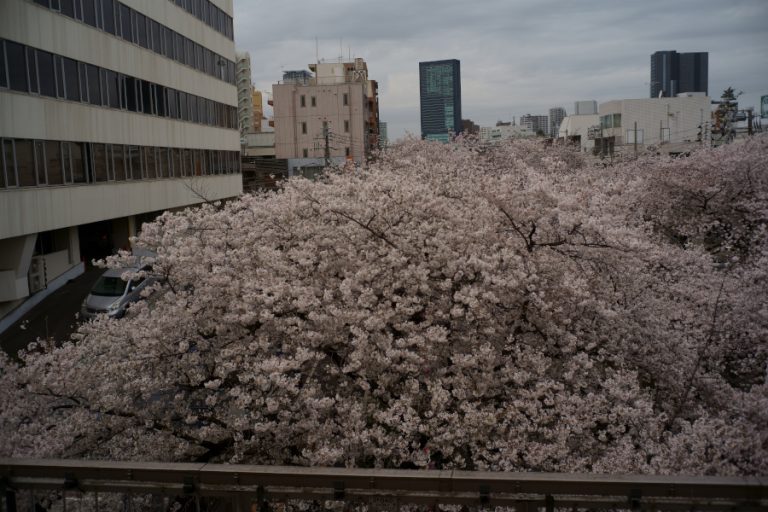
245,118
110,113
332,115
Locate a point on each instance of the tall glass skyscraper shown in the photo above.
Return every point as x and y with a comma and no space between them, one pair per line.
440,87
673,73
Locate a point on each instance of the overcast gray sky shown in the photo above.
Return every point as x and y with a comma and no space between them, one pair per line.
517,56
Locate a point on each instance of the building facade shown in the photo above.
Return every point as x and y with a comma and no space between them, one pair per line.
536,124
504,131
331,116
258,110
112,111
666,123
556,116
440,95
580,130
245,110
673,73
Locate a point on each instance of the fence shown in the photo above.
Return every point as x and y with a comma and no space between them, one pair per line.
245,488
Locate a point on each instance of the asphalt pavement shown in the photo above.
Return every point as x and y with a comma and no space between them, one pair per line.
54,318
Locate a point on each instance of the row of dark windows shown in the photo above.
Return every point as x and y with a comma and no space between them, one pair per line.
40,163
209,14
34,71
124,22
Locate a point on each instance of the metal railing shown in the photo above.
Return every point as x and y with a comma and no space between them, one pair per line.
247,488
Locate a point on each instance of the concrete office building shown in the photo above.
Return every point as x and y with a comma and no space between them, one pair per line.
112,111
673,73
332,116
670,124
556,116
440,94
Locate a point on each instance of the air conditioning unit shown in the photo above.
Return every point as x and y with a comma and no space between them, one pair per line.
38,279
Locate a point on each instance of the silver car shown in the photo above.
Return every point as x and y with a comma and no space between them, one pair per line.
112,295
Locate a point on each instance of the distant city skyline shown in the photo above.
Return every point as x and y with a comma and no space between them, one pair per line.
517,57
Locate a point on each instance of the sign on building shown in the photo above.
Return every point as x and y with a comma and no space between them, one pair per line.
764,106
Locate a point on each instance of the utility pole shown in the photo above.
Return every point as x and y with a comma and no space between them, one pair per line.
635,140
749,122
327,146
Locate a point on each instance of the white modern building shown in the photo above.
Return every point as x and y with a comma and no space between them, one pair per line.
111,111
667,123
504,131
580,130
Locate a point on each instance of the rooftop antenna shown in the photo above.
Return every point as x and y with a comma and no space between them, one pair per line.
341,50
317,52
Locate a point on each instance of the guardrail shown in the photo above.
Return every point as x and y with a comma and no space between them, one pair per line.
246,488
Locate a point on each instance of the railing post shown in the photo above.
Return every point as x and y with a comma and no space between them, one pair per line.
549,503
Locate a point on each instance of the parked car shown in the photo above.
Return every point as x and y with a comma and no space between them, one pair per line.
112,295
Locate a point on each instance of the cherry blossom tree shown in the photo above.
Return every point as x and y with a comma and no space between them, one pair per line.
457,306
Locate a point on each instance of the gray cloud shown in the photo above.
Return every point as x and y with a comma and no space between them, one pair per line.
517,56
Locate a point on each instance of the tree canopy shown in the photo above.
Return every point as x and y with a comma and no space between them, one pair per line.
451,306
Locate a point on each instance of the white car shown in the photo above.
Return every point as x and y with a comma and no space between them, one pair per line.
112,295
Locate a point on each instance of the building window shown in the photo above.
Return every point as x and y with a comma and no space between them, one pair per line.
305,152
345,98
53,162
68,8
346,126
9,163
17,66
79,163
46,73
126,31
313,101
111,89
94,86
303,127
71,80
42,178
346,152
100,163
25,163
32,71
89,12
3,67
303,101
108,12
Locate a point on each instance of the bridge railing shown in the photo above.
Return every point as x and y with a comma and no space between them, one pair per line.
26,483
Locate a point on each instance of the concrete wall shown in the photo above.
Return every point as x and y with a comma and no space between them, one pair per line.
578,126
654,116
31,210
289,114
25,22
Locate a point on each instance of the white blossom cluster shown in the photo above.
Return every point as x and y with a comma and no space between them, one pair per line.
452,306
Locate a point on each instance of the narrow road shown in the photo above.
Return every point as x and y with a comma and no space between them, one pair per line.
53,318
